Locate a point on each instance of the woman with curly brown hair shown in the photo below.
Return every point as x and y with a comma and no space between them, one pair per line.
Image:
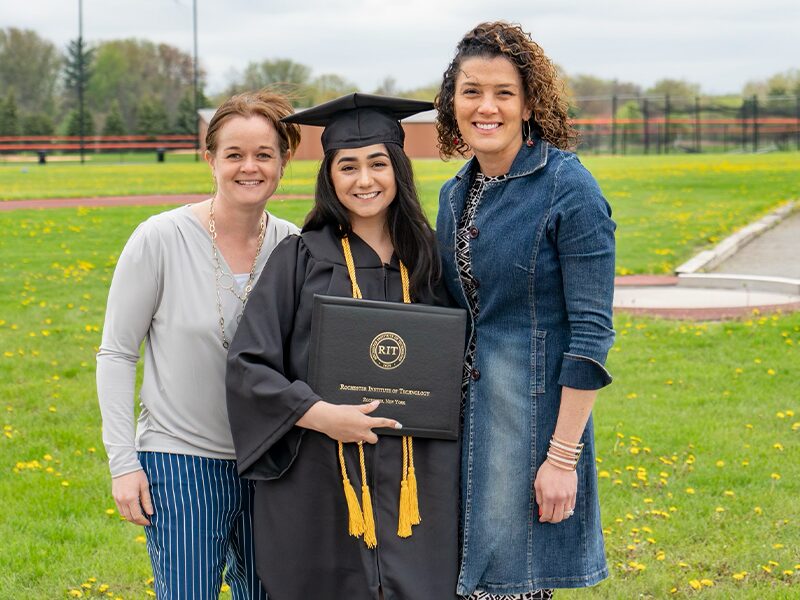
528,248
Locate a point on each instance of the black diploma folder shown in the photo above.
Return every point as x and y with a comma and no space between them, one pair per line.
408,356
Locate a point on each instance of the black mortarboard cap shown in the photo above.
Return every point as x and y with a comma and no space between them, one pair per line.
358,120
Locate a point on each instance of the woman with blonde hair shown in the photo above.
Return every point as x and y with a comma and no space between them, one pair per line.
180,286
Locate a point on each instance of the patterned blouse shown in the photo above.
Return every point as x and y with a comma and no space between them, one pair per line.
467,231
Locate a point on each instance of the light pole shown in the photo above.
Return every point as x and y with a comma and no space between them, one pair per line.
196,90
80,76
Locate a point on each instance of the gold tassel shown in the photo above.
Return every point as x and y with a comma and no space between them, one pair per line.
403,514
413,499
370,538
356,518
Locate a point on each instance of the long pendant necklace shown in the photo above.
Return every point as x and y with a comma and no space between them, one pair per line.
224,281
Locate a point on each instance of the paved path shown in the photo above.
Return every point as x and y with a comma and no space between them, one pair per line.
775,253
123,201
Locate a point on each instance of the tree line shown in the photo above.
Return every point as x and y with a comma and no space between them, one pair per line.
134,86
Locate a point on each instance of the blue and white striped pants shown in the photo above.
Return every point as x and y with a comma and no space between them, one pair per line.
202,523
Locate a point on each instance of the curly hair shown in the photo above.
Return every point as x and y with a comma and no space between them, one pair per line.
544,91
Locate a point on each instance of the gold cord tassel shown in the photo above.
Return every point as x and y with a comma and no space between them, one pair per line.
403,511
356,518
413,500
362,520
370,537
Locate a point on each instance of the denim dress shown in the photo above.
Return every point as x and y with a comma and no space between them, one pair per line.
542,258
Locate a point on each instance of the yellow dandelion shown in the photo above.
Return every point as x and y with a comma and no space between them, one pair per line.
788,572
758,510
729,493
690,490
719,509
707,582
749,426
75,594
140,539
110,511
780,415
660,555
604,474
773,563
739,576
225,588
770,371
775,476
65,483
777,546
696,585
720,463
150,592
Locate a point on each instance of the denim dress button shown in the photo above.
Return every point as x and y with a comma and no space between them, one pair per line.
475,374
474,232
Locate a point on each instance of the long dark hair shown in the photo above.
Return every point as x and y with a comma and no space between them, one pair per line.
412,237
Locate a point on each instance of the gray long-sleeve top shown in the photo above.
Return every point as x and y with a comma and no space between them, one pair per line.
163,292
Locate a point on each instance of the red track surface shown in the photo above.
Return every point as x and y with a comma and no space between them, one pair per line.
121,201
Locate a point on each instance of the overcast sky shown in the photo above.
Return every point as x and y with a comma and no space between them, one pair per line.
720,44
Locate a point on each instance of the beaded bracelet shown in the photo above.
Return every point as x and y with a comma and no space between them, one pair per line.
564,455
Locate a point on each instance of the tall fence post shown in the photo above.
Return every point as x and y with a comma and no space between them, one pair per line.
755,123
743,123
797,120
614,124
645,118
666,124
697,132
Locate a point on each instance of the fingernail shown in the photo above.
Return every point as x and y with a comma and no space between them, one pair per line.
398,425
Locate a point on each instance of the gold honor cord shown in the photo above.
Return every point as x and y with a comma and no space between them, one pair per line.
361,518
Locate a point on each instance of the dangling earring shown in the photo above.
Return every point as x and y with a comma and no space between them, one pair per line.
457,137
528,141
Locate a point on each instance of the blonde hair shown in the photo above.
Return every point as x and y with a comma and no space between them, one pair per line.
264,103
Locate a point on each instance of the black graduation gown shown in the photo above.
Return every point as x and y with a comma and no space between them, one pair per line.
303,550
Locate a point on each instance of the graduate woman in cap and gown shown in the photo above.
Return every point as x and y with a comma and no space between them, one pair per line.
341,514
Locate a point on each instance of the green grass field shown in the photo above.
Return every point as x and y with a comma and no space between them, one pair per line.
667,207
697,438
